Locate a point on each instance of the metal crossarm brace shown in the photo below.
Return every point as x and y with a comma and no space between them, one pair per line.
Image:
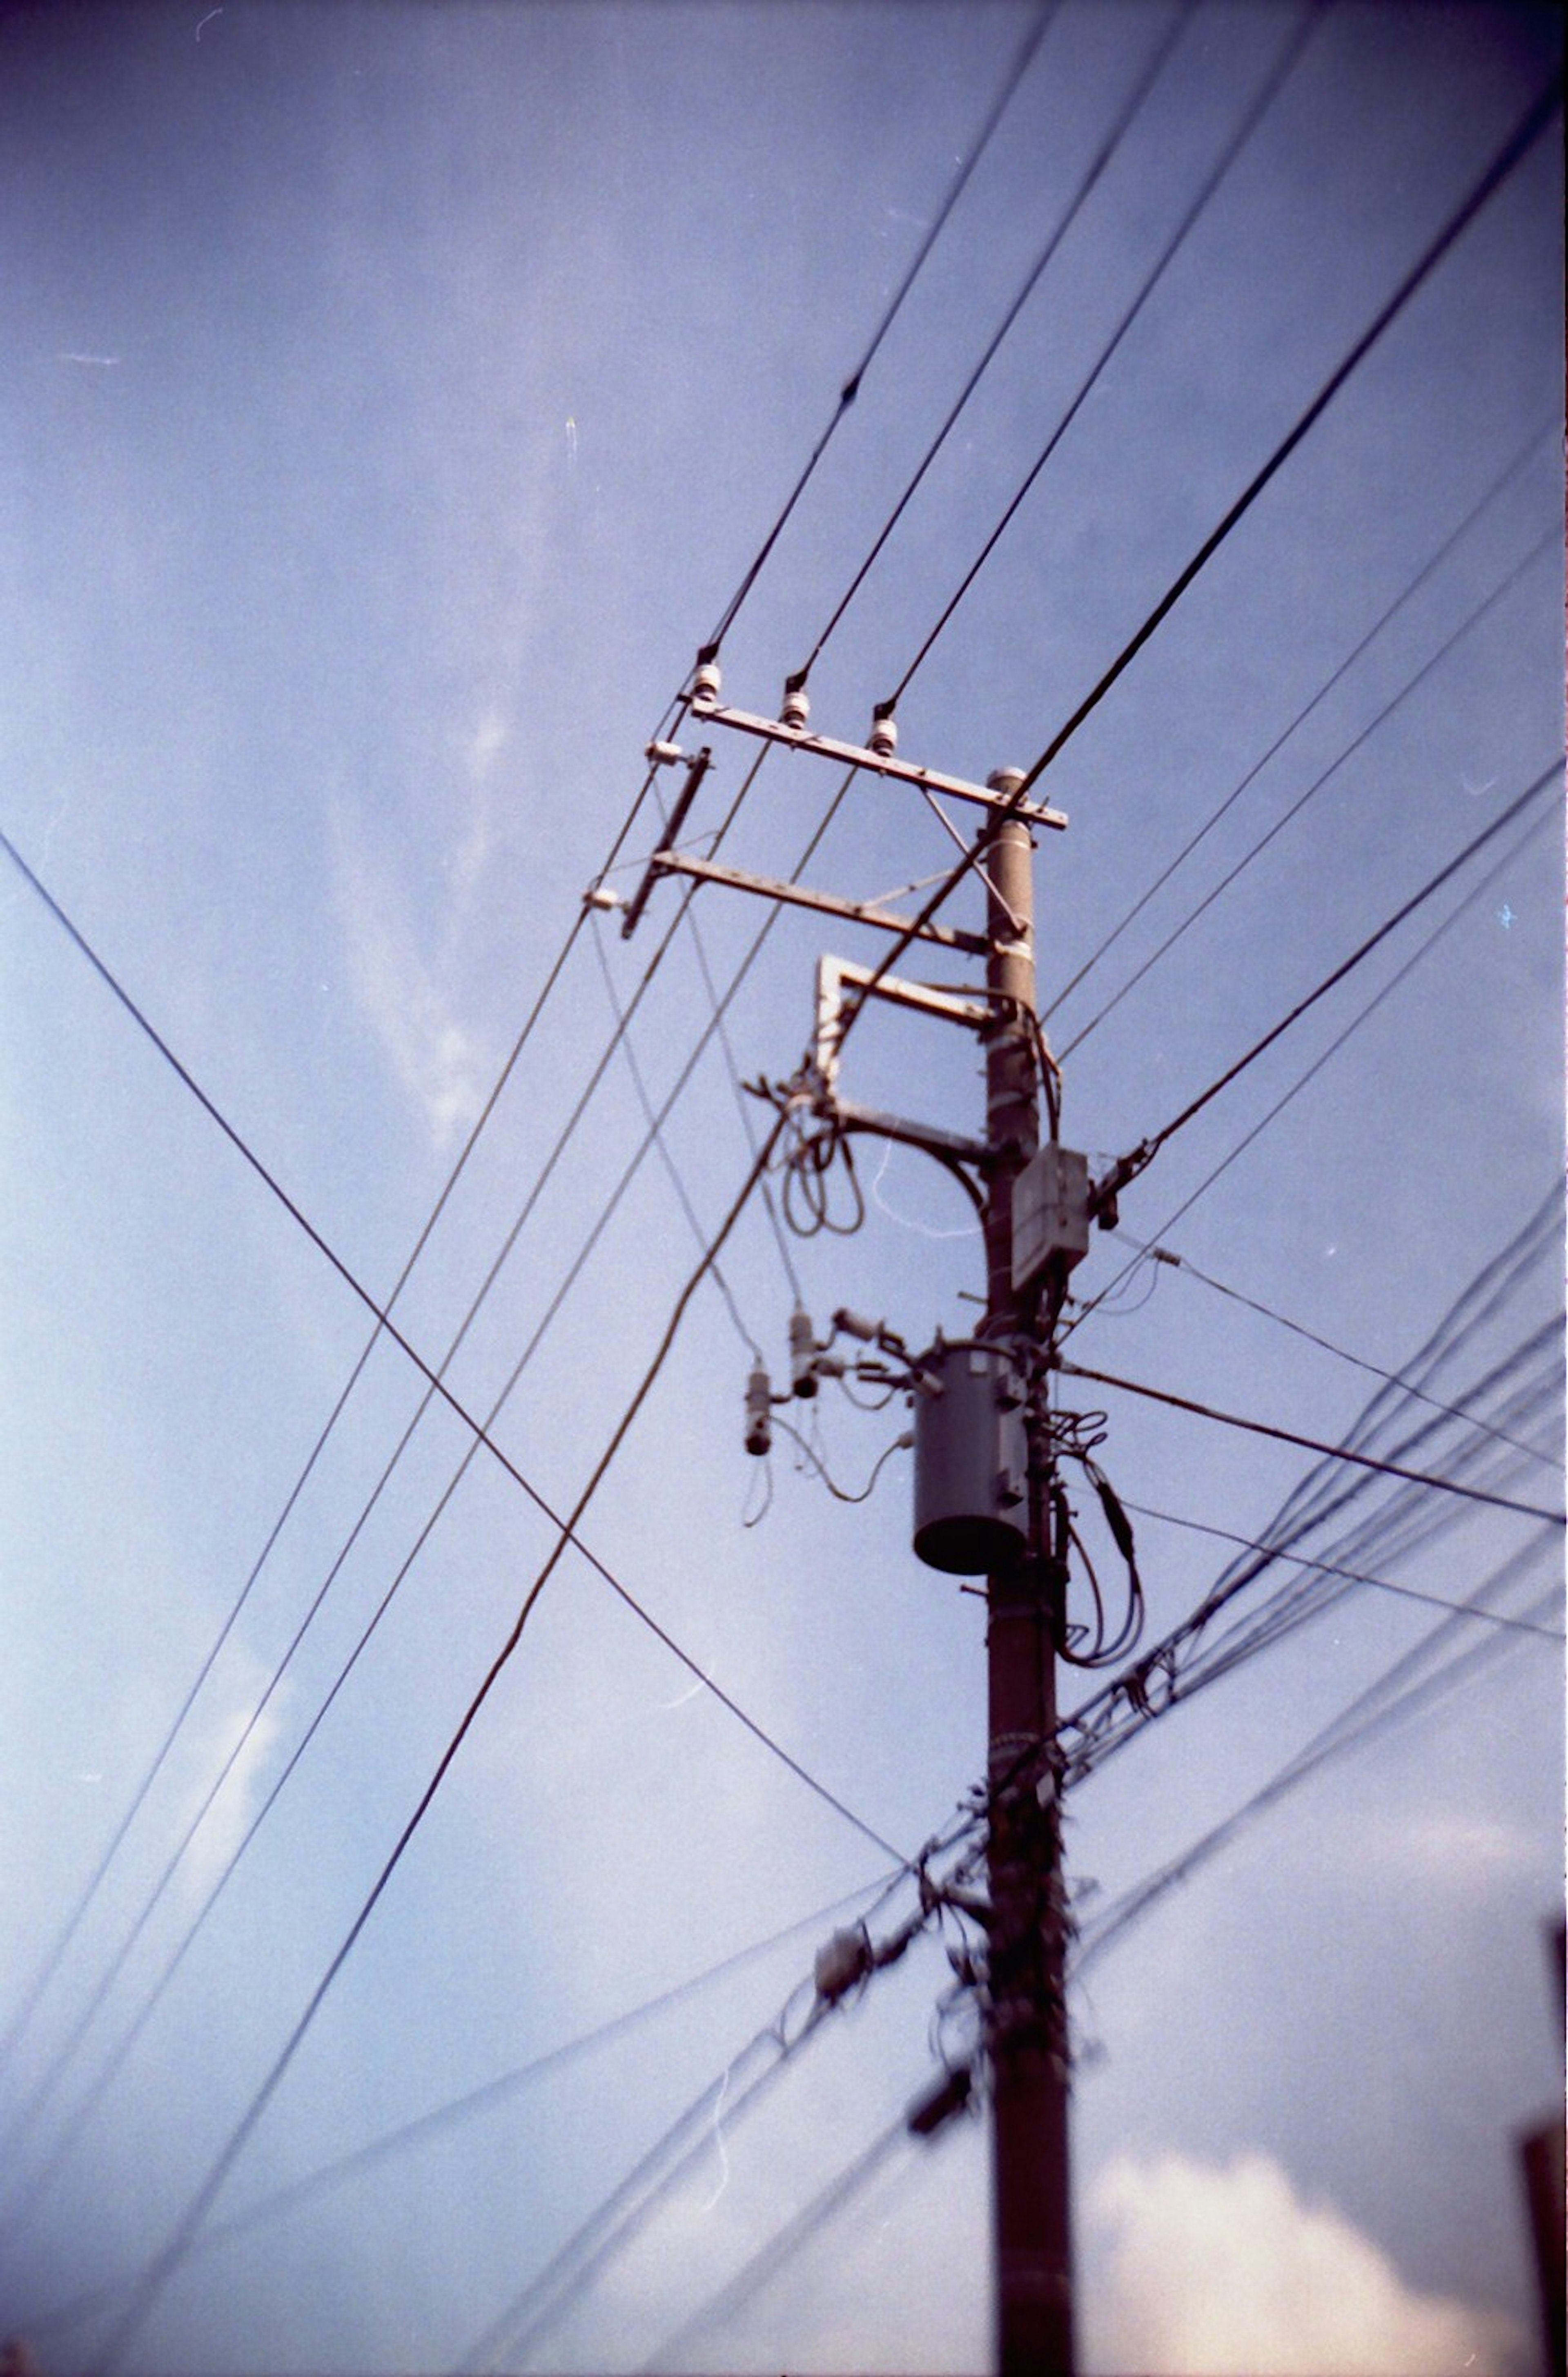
857,912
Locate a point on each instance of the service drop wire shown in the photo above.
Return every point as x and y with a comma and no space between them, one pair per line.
1550,542
56,1954
1524,138
1533,444
1313,1444
1264,98
851,388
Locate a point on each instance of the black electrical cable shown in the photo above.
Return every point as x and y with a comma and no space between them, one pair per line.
1363,1014
1532,445
1551,543
1250,120
1515,148
56,1954
1333,1743
1349,1575
59,2062
163,2268
1313,1444
456,2112
478,1431
1143,84
851,388
1129,1166
1163,1255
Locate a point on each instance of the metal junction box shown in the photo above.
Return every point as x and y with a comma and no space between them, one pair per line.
971,1455
1051,1215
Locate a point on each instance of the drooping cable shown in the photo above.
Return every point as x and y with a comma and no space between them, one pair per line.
1515,148
782,2248
1348,1575
1121,125
851,388
1254,114
1532,445
1185,1264
1353,1728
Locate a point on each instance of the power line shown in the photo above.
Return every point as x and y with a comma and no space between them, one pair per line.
163,2268
1349,1575
1312,1444
62,1943
1332,1742
1530,447
1238,138
458,2110
1523,138
1159,1254
1550,542
851,388
1363,1015
1140,90
1130,1166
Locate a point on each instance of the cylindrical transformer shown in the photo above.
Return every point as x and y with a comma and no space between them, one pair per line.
972,1463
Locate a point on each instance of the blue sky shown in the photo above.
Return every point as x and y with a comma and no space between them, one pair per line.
393,399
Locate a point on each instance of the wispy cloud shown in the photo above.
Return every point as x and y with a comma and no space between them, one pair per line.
1228,2270
403,995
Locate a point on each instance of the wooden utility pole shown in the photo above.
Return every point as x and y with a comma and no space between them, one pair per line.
1029,2044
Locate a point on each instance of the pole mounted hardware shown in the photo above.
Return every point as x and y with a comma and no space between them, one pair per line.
877,757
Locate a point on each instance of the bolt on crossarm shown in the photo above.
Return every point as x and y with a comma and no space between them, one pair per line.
1028,2042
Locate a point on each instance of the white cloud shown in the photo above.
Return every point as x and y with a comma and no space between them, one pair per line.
435,1060
228,1819
1227,2270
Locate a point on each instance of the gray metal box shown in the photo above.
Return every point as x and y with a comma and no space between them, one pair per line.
971,1456
1051,1215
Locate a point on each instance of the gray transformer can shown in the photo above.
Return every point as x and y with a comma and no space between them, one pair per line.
972,1463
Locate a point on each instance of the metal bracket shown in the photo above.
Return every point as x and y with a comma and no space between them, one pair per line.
854,755
928,998
676,819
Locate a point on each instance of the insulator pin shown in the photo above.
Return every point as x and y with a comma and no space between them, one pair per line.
883,740
803,1354
796,707
759,1414
705,686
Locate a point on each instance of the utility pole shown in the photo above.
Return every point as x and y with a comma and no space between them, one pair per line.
1028,2040
987,1501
